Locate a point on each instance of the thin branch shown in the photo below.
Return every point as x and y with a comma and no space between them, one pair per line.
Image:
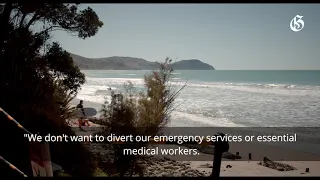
22,19
15,16
33,19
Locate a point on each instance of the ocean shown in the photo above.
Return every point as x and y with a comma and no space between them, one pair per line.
230,98
227,98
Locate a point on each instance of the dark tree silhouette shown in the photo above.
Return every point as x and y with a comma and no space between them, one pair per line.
38,78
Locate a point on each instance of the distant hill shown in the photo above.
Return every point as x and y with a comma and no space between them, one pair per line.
131,63
192,64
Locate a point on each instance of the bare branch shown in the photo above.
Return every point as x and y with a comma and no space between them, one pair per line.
22,19
33,19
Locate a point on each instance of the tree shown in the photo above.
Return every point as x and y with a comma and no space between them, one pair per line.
38,78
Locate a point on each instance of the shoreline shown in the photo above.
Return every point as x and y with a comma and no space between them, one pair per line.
180,165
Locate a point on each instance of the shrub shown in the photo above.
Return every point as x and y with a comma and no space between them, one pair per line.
143,113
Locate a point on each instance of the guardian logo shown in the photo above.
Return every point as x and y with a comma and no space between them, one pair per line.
297,23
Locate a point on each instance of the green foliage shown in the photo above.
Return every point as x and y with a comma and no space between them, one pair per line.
39,79
62,174
140,113
99,173
63,98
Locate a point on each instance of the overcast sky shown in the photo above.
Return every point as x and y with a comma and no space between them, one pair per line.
227,36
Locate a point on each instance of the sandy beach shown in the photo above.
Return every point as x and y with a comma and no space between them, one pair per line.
202,164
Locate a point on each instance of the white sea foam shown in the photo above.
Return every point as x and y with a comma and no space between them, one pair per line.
193,120
227,104
129,74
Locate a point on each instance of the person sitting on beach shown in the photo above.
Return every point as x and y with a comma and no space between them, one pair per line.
82,114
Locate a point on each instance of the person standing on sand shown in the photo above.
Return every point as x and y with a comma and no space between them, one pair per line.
82,114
